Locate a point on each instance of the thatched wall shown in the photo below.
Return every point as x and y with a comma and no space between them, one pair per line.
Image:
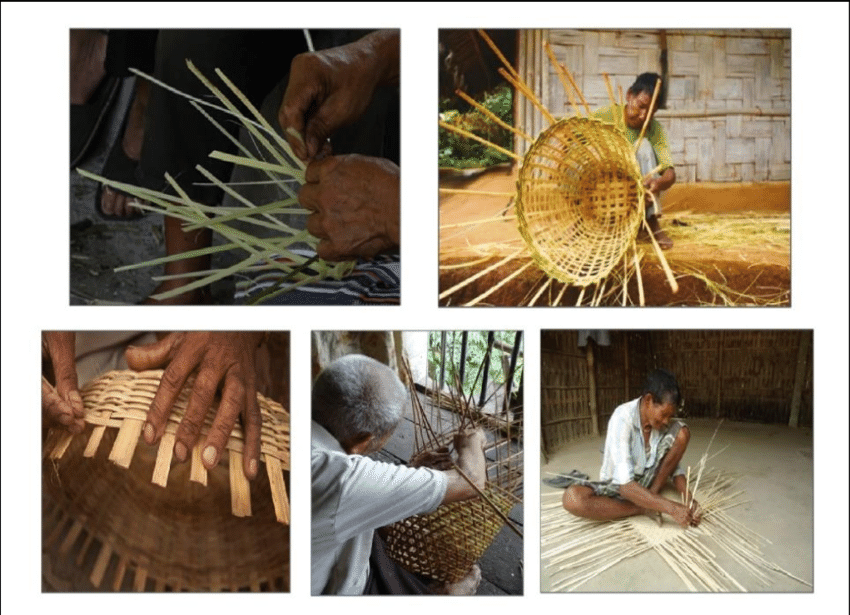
761,376
727,111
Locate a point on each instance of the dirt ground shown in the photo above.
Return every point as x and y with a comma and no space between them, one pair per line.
477,231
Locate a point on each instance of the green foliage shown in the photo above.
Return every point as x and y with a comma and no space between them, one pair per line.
459,152
476,349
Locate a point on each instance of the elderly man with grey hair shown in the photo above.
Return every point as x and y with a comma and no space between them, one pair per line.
357,403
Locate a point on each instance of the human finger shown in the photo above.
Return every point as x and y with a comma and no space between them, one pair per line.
57,409
200,400
173,379
315,226
317,170
153,355
229,409
252,423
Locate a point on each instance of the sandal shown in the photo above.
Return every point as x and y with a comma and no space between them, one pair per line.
118,167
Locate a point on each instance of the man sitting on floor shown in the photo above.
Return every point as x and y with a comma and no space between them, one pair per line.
357,403
643,447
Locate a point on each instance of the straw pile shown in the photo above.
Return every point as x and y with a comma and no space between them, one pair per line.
132,521
575,550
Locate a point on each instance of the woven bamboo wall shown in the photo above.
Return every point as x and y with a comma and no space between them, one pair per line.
738,375
719,83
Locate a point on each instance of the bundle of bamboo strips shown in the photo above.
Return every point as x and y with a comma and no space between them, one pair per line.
575,550
281,167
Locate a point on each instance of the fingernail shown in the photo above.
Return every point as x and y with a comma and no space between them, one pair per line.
150,433
210,455
180,451
252,468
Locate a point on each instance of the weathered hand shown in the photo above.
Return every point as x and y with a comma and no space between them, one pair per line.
473,439
681,514
441,459
355,205
696,513
331,88
62,404
220,359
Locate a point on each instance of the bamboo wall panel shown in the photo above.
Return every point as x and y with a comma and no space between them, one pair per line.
719,83
736,375
564,399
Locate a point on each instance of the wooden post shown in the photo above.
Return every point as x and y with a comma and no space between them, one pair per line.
464,337
594,419
485,371
799,378
442,379
719,390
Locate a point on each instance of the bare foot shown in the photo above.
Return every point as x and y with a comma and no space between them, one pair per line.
467,586
87,54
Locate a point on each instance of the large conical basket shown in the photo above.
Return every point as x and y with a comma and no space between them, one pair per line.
579,199
117,515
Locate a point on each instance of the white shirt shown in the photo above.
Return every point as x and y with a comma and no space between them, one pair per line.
625,455
352,496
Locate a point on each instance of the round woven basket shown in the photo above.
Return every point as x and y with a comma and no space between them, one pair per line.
115,519
579,199
445,544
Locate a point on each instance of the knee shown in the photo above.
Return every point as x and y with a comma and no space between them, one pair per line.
572,499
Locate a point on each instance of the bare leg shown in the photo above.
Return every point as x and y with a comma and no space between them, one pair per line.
671,460
88,51
115,203
177,241
582,502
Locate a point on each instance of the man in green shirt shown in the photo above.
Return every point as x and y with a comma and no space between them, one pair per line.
653,150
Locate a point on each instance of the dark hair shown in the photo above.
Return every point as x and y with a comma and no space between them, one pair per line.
663,387
646,83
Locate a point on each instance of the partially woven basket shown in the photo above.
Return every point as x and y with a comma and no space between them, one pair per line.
147,525
445,544
579,199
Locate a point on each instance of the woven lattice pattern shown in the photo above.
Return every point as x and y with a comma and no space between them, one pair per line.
150,525
446,543
579,199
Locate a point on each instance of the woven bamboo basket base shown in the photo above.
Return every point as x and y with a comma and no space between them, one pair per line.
579,200
446,543
125,532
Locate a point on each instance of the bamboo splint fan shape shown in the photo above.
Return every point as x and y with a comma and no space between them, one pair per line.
121,399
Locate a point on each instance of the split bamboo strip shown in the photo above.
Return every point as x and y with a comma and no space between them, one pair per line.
490,115
474,137
197,472
240,490
649,113
561,71
471,279
526,91
493,289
